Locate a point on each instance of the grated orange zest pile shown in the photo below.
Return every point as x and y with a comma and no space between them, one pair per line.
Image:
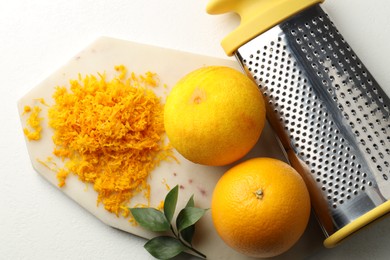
110,134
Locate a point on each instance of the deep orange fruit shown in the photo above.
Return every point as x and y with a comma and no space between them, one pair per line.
261,207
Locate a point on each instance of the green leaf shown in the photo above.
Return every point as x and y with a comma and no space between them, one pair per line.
151,219
164,247
170,203
188,216
191,202
188,233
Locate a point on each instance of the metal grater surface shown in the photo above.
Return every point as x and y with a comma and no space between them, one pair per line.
329,112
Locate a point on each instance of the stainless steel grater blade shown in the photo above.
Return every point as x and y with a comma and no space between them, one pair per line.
330,114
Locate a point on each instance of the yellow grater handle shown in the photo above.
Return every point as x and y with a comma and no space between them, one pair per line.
257,16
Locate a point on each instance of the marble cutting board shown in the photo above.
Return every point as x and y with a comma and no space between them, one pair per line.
102,56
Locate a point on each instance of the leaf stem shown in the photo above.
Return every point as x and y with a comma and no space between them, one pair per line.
178,237
174,233
193,250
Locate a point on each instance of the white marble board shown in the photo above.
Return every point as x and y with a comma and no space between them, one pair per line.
101,56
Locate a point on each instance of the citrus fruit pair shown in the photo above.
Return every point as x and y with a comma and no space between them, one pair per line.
214,115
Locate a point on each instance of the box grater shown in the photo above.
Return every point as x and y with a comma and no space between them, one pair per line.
331,116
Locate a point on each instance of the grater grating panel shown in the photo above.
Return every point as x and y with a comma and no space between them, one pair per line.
329,112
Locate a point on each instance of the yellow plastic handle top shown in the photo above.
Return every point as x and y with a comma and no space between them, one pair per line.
257,16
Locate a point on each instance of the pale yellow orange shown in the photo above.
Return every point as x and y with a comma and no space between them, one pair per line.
261,207
214,115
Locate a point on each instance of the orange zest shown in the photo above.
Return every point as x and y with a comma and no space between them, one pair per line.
34,128
110,134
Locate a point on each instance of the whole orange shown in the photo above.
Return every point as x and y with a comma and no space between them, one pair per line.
214,115
261,207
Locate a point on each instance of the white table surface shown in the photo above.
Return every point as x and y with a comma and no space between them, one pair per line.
36,37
